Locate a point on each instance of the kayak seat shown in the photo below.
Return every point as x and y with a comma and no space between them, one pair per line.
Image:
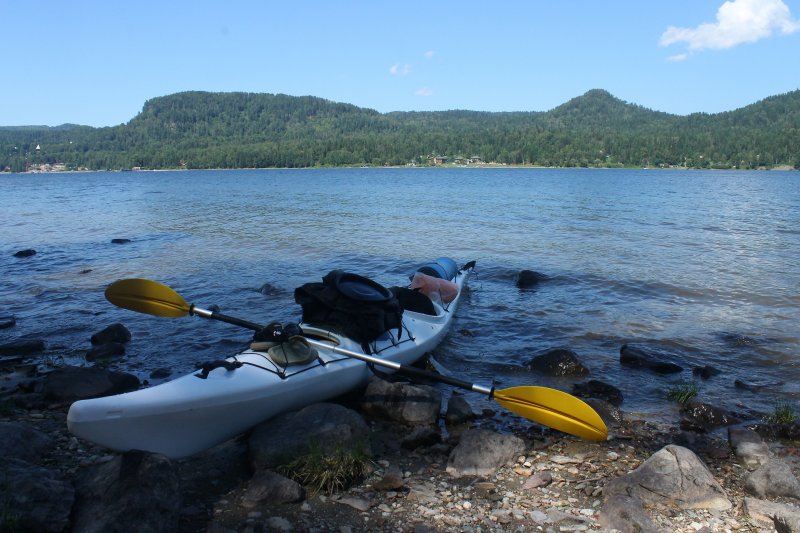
415,301
295,351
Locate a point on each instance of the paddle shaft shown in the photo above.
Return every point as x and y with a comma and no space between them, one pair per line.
401,369
397,367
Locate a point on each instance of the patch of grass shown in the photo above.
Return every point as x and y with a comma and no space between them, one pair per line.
329,472
683,392
783,413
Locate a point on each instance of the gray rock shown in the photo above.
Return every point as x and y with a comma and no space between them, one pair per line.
21,441
481,452
558,362
749,448
392,480
767,513
627,515
774,479
421,436
71,383
672,476
133,488
326,426
459,411
35,498
269,488
404,403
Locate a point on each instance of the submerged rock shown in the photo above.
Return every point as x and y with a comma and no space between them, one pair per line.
600,390
529,278
639,358
23,347
25,253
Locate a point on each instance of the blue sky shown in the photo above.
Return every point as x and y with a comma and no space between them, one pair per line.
97,62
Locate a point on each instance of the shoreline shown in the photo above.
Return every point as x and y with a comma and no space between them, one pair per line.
556,482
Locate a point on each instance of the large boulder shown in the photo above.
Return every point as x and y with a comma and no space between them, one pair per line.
325,427
673,476
21,441
481,452
135,491
35,498
71,383
404,403
774,479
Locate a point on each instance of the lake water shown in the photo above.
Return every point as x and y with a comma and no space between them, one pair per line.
702,266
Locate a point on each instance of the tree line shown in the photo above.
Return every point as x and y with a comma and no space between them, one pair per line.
250,130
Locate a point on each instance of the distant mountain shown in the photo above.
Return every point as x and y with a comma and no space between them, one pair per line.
238,130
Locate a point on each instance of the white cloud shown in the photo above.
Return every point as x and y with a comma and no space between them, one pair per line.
678,57
738,22
424,91
429,54
400,70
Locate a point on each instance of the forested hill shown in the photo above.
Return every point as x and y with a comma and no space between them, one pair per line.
247,130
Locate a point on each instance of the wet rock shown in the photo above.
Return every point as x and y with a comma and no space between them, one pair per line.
113,333
71,383
160,373
757,386
558,362
459,411
672,476
784,431
611,414
21,441
23,347
706,372
421,436
323,426
269,488
749,448
39,500
7,321
481,452
774,479
135,487
768,513
108,350
639,358
702,417
404,403
529,278
120,241
598,389
28,252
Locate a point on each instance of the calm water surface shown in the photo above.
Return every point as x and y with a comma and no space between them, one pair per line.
699,265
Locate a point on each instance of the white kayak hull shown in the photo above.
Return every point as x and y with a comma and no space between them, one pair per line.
190,414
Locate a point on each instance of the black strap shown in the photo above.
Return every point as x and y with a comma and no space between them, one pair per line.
206,368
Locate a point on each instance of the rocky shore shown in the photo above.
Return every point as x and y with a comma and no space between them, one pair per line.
429,463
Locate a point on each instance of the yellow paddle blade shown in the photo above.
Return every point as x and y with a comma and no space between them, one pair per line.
145,296
554,408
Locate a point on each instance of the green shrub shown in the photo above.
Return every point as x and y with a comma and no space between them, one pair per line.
683,392
783,413
329,472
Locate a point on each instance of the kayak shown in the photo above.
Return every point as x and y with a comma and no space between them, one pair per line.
197,411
